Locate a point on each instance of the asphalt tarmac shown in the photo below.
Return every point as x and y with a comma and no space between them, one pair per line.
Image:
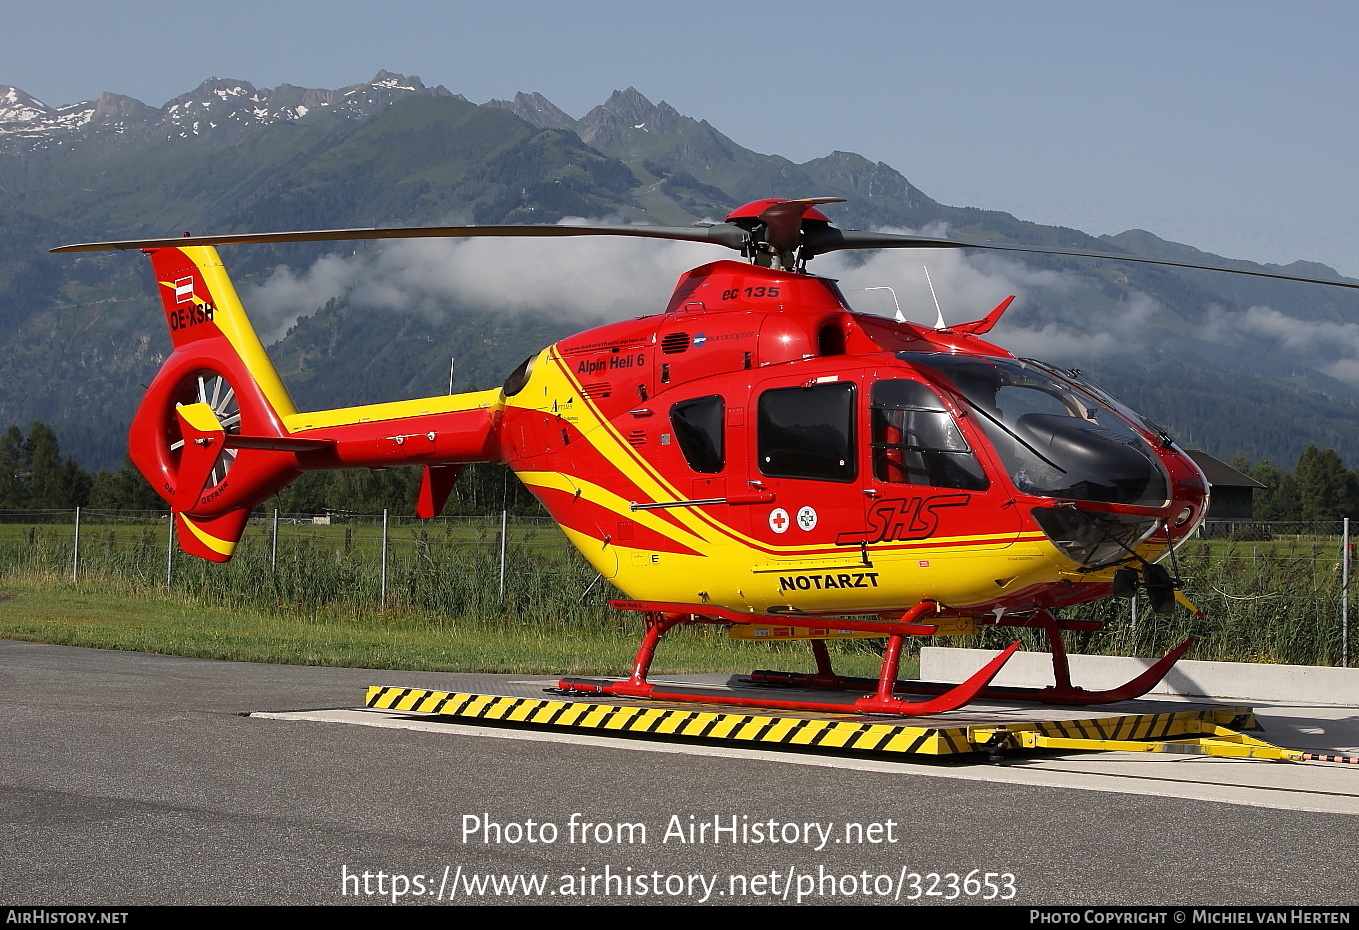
138,779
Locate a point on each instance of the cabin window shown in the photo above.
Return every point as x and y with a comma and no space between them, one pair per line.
916,441
808,432
698,430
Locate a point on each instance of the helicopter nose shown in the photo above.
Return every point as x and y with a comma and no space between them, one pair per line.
1094,540
1098,464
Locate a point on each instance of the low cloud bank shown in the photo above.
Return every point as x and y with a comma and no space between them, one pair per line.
592,277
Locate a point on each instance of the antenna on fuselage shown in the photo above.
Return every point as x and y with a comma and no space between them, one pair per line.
901,318
939,323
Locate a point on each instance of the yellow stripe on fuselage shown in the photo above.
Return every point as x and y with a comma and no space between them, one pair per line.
552,386
393,410
597,494
554,381
231,320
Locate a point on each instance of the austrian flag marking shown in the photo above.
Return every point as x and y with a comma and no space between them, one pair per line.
184,290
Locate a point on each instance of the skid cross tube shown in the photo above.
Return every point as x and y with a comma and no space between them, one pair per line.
881,701
1062,691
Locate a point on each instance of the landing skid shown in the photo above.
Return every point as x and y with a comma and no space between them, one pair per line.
1061,692
883,699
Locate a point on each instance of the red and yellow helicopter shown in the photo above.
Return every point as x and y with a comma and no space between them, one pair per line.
757,454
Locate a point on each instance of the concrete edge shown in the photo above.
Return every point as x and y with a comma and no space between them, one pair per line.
1238,681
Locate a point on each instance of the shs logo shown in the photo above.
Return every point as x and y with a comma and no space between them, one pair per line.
903,518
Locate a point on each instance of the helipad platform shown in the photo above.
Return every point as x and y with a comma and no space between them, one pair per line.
982,727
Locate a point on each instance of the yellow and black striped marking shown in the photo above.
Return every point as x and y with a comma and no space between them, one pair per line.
849,732
1133,727
1213,732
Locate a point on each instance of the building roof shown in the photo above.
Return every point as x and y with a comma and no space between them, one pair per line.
1219,473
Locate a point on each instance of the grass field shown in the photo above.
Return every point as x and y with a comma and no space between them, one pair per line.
112,613
318,597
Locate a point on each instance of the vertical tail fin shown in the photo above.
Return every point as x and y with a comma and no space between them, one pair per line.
201,305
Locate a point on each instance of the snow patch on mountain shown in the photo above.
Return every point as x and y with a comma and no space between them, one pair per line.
218,104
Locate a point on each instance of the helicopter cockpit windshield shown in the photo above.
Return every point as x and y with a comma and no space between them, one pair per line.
1055,438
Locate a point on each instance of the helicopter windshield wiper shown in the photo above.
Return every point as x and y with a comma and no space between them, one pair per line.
1018,438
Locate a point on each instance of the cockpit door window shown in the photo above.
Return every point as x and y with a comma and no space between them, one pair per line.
914,439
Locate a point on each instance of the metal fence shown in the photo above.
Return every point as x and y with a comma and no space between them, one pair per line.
305,560
1277,591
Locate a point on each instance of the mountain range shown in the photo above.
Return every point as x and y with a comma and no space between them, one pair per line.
1232,365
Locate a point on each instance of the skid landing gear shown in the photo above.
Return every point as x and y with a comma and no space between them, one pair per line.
1062,691
883,691
882,700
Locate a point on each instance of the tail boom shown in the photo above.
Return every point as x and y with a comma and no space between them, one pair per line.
217,432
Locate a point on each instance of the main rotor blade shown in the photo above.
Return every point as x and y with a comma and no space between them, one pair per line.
830,239
817,241
722,234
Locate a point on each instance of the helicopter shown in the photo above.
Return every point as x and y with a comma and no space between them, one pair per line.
757,454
